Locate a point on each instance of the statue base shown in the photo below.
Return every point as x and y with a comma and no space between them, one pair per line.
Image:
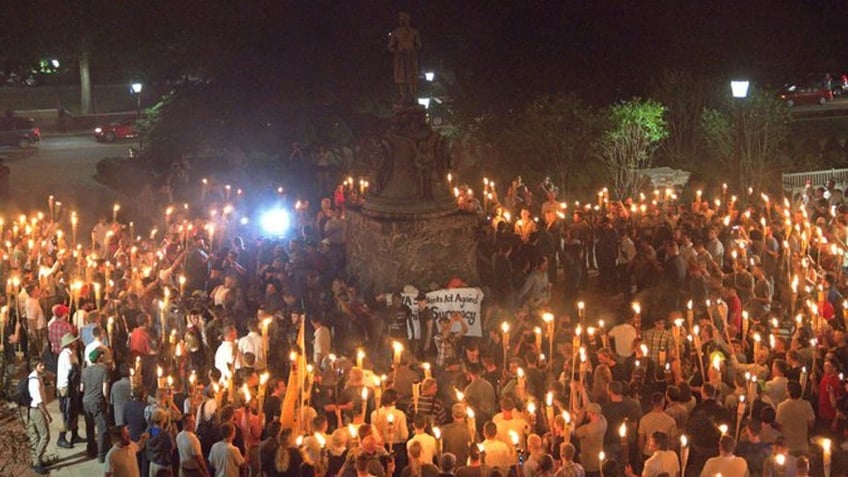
386,253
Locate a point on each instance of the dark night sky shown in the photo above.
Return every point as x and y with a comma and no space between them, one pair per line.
498,49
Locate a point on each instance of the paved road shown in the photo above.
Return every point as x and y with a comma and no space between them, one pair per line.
63,166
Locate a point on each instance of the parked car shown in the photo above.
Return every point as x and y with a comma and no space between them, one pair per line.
838,83
116,130
806,92
18,131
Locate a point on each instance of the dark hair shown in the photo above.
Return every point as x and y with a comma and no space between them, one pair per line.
661,438
389,397
447,462
473,452
780,365
116,433
755,426
794,389
419,421
490,429
727,443
767,415
546,463
673,393
617,388
657,399
227,429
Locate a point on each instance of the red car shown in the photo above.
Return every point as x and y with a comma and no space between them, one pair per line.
116,130
809,93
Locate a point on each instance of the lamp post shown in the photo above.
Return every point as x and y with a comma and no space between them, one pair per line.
136,89
739,89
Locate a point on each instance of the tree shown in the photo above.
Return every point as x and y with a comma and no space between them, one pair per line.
551,135
745,136
685,96
628,145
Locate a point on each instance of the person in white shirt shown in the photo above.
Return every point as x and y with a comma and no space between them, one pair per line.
38,418
252,343
655,421
498,453
624,334
225,355
510,420
192,463
224,457
68,390
36,321
726,463
121,460
322,341
96,332
428,442
389,421
662,459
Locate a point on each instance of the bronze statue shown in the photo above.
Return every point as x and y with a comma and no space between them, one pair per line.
404,43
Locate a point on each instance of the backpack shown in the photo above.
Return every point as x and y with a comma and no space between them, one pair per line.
159,449
206,431
22,397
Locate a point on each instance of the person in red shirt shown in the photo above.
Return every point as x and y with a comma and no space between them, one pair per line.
830,390
734,309
140,337
58,327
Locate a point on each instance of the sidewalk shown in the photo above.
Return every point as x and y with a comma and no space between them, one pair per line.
71,462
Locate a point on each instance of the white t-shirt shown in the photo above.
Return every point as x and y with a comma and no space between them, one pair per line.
36,390
322,342
428,446
224,356
63,368
729,466
188,446
121,462
497,454
226,459
662,461
624,335
252,343
91,347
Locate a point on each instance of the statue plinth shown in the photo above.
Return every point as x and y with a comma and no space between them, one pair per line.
387,253
412,177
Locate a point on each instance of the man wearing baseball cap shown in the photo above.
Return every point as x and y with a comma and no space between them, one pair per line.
58,327
67,388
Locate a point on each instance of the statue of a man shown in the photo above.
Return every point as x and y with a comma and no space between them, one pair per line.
404,42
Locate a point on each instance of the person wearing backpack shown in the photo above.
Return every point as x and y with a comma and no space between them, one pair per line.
160,446
33,396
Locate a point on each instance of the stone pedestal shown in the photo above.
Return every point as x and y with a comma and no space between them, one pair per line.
386,253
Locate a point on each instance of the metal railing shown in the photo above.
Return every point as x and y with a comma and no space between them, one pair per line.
797,181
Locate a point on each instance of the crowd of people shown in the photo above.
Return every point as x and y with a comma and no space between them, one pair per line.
200,348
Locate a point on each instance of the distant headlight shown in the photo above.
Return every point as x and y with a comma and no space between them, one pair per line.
98,130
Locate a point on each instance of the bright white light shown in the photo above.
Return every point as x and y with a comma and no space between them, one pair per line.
424,102
429,76
275,222
739,88
136,88
244,221
54,62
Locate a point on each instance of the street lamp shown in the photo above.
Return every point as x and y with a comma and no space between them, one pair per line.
739,89
424,102
55,63
136,89
429,76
